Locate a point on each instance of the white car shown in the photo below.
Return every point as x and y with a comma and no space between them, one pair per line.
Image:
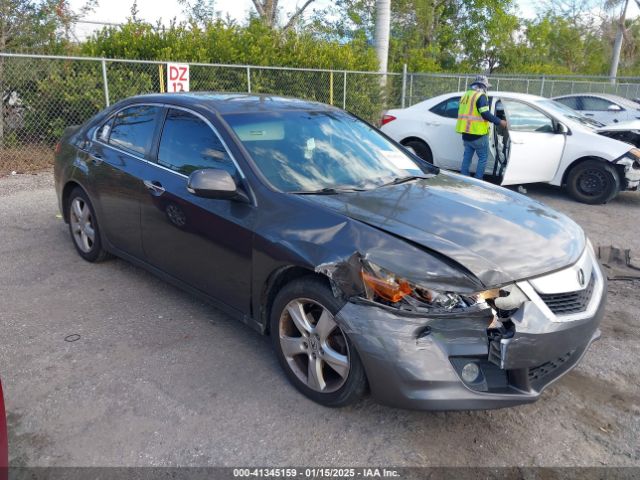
602,107
544,142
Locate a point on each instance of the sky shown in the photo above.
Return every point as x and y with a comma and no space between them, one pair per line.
116,11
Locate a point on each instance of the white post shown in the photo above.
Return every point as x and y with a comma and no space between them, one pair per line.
248,79
344,91
404,84
105,82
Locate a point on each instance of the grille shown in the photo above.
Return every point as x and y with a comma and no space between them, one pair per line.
569,302
541,371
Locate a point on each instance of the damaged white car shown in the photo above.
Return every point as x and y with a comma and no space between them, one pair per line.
545,141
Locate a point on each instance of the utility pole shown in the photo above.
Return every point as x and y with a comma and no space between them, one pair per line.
617,46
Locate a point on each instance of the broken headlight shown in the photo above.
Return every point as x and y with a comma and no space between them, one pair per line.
385,287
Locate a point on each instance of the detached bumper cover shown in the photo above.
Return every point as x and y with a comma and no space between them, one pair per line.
415,362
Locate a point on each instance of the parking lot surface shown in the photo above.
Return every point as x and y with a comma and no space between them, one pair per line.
106,365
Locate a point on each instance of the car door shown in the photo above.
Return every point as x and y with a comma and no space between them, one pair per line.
206,243
117,157
535,149
602,110
445,143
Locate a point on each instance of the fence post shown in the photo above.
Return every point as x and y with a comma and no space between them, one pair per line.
542,87
459,81
411,90
105,82
404,84
344,91
528,82
498,85
331,87
248,79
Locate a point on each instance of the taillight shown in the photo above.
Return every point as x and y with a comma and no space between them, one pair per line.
57,148
386,119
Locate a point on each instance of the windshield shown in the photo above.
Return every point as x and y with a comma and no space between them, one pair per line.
568,112
308,151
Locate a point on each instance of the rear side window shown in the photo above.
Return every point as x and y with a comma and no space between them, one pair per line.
571,102
595,104
189,144
131,129
448,108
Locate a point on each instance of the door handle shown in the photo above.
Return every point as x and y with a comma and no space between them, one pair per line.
588,114
96,158
154,187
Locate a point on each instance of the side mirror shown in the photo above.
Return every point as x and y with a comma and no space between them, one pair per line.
214,183
614,108
563,129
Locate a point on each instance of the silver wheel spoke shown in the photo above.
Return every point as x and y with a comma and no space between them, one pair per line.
299,317
77,210
292,346
85,241
90,232
316,379
337,361
85,213
325,325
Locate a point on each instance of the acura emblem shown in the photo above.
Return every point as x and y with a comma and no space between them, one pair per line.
581,277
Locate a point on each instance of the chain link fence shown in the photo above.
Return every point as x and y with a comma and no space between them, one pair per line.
41,95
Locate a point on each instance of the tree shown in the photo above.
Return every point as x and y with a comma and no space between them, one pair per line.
383,23
33,25
268,12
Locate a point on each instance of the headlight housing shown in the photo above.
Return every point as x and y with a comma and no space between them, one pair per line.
385,287
631,160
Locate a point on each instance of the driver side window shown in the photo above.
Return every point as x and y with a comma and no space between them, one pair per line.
188,144
524,118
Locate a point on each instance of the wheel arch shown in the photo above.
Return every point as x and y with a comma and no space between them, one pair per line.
69,187
274,283
580,160
413,138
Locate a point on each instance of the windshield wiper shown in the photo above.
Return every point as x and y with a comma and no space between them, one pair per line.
329,191
408,178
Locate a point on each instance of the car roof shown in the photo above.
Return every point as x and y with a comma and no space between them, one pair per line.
491,93
606,96
225,103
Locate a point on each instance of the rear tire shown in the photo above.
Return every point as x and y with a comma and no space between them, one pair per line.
421,149
83,227
593,182
313,350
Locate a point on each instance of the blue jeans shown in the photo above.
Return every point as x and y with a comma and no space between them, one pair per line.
479,146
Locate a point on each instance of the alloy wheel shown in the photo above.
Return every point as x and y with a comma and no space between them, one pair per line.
84,233
314,346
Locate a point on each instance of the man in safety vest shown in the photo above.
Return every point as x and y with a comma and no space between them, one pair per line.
473,123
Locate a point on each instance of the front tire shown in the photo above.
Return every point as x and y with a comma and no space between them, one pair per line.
313,350
593,182
83,227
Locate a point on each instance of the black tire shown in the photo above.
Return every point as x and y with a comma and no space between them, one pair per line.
354,386
95,252
593,182
421,149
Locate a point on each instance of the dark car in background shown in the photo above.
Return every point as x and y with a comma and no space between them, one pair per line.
369,268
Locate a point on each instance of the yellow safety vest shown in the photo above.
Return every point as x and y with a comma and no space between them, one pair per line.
469,118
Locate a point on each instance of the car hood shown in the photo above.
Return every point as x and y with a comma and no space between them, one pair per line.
633,125
497,235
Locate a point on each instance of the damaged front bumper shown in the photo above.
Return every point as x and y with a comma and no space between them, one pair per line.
417,362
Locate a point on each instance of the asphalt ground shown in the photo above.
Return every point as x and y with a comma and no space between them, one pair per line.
106,365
